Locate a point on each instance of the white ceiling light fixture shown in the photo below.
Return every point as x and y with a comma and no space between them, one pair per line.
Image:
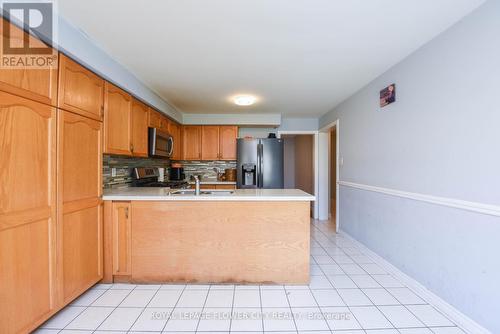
244,100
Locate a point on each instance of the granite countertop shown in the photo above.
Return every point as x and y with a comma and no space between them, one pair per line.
163,194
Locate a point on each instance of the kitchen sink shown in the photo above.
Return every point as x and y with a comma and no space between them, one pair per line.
221,192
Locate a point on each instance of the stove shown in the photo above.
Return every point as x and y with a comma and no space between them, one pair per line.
148,177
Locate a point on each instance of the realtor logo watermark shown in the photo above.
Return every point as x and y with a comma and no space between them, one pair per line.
24,26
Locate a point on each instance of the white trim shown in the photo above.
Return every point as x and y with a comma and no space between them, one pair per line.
487,209
327,128
463,321
316,164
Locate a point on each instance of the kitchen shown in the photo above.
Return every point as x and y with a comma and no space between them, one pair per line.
248,167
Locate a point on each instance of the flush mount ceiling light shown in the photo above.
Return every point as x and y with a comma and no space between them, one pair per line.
244,100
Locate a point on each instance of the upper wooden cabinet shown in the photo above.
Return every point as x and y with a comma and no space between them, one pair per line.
139,130
35,84
80,90
79,193
117,120
154,118
191,142
210,143
27,213
175,131
227,142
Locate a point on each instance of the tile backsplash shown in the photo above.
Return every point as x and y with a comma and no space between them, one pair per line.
124,167
206,168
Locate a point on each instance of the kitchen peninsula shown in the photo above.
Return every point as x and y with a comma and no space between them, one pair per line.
154,235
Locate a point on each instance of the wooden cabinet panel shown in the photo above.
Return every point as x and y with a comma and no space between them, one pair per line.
117,110
80,206
210,143
154,119
35,84
227,144
27,213
80,90
191,142
121,238
225,186
164,124
139,129
175,131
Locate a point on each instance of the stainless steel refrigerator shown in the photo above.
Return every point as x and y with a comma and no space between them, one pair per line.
260,163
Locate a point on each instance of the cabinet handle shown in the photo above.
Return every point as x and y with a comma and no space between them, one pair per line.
126,213
131,148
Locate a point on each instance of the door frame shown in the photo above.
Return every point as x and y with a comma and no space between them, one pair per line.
315,163
326,167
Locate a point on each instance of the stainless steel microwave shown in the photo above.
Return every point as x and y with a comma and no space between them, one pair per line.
161,144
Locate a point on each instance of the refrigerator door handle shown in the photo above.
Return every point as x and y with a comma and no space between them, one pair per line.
260,175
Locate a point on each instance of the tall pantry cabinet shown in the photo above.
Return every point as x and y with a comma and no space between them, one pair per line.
50,190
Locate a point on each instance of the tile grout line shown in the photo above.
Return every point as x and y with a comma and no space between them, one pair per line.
232,309
174,307
203,309
144,309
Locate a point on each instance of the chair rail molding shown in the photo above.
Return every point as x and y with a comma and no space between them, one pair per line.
487,209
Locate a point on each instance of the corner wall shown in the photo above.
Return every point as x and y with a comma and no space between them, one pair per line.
440,138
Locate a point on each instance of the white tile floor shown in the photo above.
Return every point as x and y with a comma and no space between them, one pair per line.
348,293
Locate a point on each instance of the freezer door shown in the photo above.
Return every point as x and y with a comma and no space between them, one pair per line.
247,163
271,162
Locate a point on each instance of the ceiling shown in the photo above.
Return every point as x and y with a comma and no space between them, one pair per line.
300,58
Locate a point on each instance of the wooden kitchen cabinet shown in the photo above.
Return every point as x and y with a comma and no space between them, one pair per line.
79,224
80,90
210,143
27,213
175,131
117,120
121,230
191,142
154,120
35,84
227,142
164,124
139,132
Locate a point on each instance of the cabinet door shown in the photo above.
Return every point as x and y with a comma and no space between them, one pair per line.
228,136
80,90
80,206
191,142
35,84
27,213
210,143
226,186
154,119
164,124
117,110
122,238
139,129
175,131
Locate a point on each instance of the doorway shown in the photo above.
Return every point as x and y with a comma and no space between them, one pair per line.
333,176
299,163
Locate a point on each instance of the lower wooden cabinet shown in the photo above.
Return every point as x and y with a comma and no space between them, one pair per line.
79,192
27,213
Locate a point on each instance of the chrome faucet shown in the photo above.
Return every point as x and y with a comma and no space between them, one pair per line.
196,184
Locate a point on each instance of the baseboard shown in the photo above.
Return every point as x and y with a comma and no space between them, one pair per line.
463,321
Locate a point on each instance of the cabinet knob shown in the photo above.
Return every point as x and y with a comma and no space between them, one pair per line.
131,148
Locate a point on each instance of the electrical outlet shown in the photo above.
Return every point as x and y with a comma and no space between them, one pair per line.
113,172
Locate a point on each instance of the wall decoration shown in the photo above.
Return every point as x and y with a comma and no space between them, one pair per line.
388,95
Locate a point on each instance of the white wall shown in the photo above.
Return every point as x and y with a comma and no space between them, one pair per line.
440,138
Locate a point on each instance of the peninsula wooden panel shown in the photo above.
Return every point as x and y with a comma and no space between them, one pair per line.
35,84
27,213
117,127
80,205
210,142
139,130
260,242
227,142
80,90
